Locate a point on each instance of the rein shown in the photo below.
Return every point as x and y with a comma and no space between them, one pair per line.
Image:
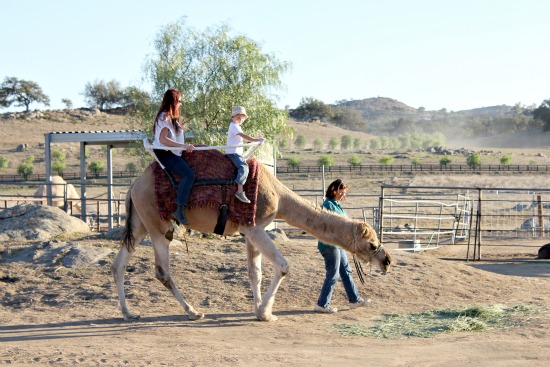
357,262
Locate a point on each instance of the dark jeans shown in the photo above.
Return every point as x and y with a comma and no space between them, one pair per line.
336,263
176,164
242,167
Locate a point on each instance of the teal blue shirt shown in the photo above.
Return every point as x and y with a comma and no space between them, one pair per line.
333,206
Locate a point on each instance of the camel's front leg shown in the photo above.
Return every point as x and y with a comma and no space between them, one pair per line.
119,270
261,241
254,263
162,273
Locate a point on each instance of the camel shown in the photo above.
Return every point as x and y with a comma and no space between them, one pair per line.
274,201
58,195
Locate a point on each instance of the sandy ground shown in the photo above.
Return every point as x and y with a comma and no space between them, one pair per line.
64,317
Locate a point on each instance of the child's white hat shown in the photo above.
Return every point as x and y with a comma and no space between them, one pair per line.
238,110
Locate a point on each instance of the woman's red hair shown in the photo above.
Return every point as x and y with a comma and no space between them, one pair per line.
169,106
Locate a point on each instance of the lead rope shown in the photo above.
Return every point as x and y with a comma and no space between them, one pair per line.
358,266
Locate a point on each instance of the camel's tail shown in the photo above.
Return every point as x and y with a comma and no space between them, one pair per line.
127,239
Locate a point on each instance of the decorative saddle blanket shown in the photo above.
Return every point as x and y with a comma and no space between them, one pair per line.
209,164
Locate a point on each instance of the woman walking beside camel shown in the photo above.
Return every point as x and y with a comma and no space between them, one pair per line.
336,261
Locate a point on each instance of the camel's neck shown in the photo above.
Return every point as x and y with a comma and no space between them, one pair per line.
328,227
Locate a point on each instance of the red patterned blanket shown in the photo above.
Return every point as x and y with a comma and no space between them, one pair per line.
209,164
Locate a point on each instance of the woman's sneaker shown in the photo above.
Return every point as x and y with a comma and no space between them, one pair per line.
242,197
361,303
327,309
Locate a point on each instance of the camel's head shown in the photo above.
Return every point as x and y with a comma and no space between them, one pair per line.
369,249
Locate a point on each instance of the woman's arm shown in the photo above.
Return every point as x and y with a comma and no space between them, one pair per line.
165,139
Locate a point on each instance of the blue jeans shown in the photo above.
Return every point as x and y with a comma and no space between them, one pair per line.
176,164
336,263
242,167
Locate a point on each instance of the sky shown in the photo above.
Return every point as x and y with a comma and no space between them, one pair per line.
434,54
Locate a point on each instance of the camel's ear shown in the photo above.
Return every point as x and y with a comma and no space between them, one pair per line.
367,230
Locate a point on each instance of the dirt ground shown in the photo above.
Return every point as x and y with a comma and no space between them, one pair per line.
61,316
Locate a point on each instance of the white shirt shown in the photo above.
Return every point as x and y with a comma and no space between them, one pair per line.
164,122
234,139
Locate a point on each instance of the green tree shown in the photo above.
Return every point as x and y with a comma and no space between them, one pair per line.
415,161
282,143
349,119
357,142
103,94
300,141
333,143
26,168
346,141
67,102
506,159
311,109
317,144
59,167
96,167
325,160
135,98
215,70
354,160
131,167
386,160
58,155
4,162
294,162
21,93
542,113
445,160
473,160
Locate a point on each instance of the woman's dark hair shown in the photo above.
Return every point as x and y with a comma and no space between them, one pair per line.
169,106
334,187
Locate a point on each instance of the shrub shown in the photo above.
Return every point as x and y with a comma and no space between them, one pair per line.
25,169
317,144
415,161
58,167
58,155
354,160
300,141
346,141
325,160
131,167
333,143
96,167
473,160
294,162
506,159
386,160
445,160
4,162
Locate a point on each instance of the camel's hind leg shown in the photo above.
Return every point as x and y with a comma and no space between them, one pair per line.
261,241
118,267
254,263
162,273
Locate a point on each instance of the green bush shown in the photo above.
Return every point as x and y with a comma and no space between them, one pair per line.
415,161
294,162
58,155
96,167
354,160
386,160
4,162
58,167
131,167
317,144
300,141
25,169
325,160
346,141
473,160
445,160
333,143
506,159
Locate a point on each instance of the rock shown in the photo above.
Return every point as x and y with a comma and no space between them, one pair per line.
37,222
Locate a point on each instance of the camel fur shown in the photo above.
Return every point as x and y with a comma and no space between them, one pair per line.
275,201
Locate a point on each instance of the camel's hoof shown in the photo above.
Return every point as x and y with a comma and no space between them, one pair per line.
268,318
198,316
131,316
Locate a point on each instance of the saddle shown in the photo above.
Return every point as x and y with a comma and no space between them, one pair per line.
214,188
